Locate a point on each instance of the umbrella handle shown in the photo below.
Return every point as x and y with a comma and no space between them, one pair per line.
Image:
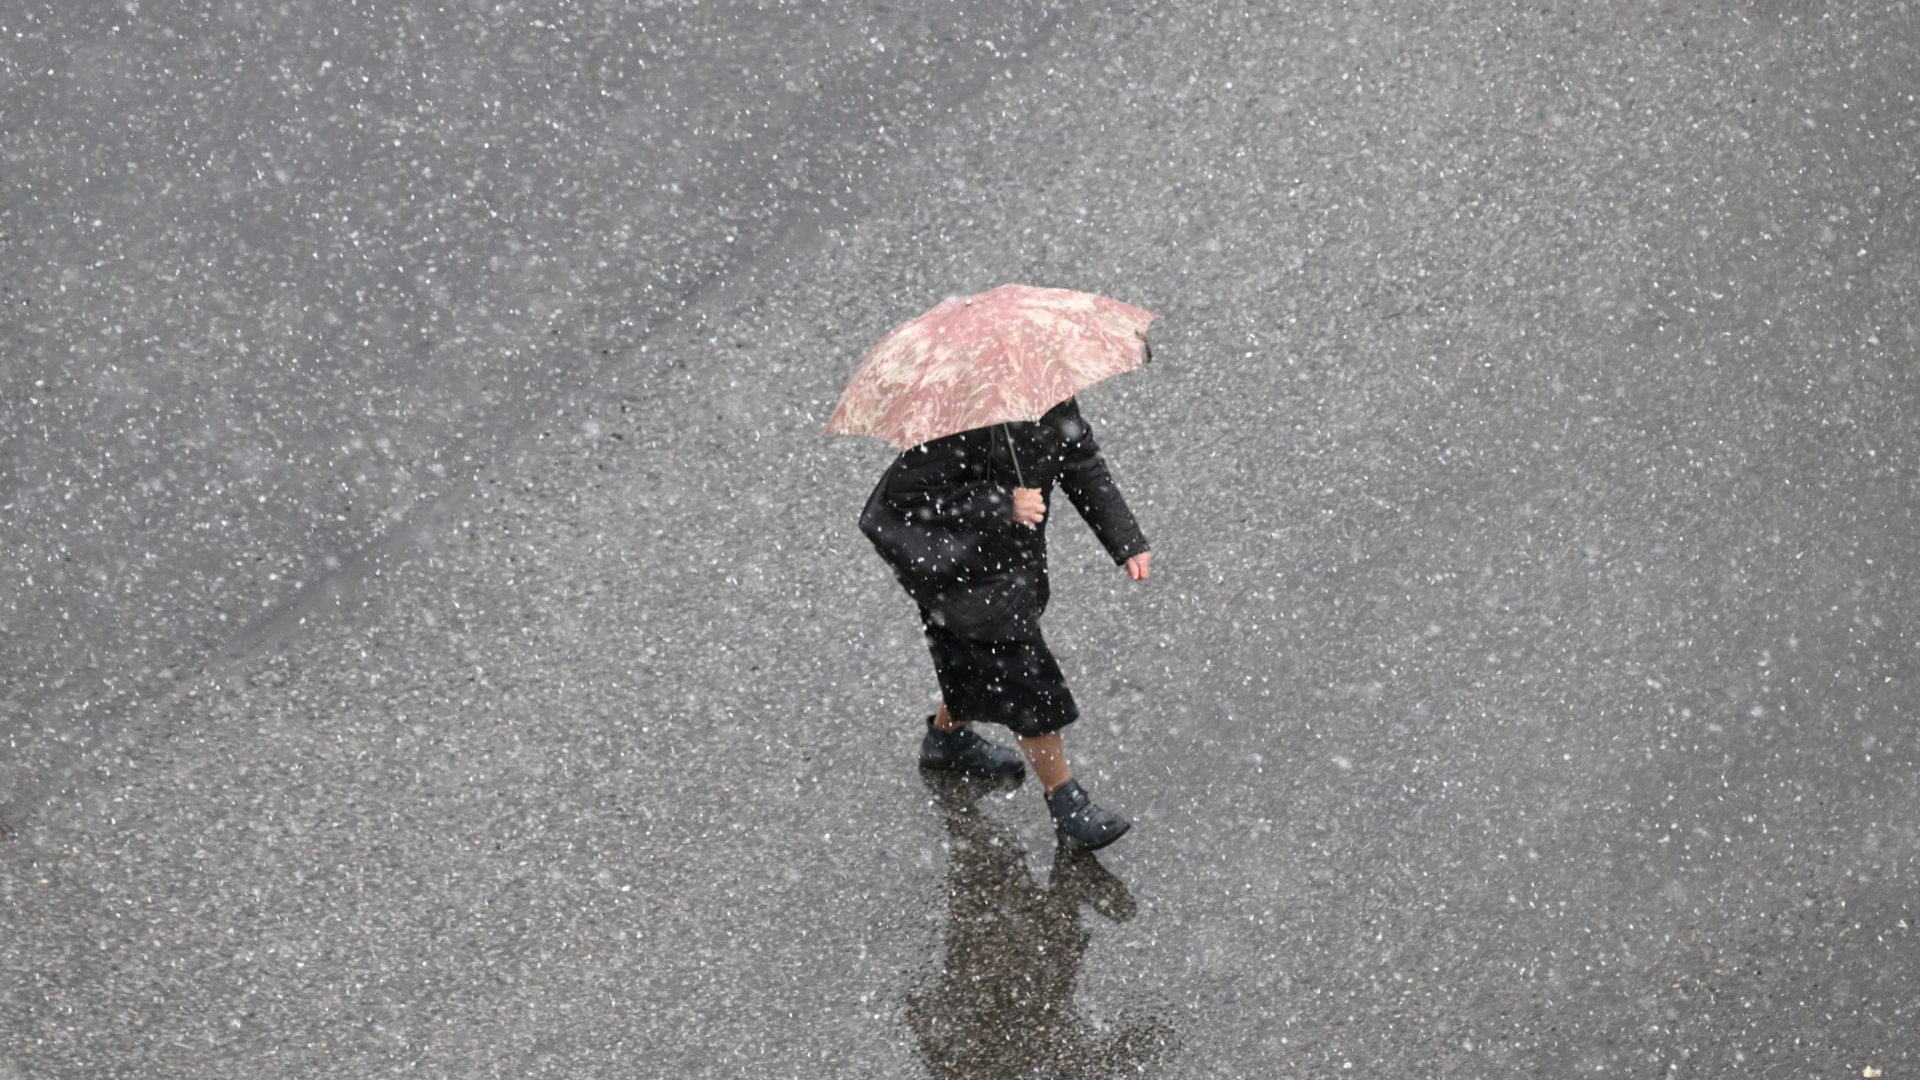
1014,454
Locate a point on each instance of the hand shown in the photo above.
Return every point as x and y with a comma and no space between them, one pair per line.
1029,508
1137,566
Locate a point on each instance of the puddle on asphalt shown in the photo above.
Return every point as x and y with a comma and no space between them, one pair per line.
1000,1000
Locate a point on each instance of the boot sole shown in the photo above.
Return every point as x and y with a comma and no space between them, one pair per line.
1018,769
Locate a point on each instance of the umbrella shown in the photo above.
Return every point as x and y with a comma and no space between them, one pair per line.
1010,353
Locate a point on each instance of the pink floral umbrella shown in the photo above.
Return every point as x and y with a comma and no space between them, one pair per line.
1010,353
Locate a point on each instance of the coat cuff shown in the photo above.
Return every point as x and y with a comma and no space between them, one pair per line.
1135,546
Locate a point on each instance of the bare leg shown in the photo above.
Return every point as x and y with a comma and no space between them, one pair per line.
1048,758
945,721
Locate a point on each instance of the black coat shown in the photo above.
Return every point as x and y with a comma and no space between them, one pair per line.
942,518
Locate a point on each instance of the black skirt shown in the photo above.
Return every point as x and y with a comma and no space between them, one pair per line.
1015,683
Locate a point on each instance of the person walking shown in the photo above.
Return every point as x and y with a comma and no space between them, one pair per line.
960,516
983,626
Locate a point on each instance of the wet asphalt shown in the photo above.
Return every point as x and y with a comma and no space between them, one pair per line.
1526,684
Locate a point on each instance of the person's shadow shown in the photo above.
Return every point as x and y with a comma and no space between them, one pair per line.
1001,1004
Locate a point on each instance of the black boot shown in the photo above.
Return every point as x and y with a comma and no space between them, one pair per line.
963,751
1080,825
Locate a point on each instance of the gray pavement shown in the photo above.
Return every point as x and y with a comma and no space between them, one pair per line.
277,278
1525,688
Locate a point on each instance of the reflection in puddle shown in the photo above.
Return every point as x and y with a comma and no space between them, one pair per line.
1001,1004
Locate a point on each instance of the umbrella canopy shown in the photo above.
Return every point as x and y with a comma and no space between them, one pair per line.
1010,353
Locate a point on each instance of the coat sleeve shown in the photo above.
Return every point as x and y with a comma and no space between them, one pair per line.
1085,478
947,482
